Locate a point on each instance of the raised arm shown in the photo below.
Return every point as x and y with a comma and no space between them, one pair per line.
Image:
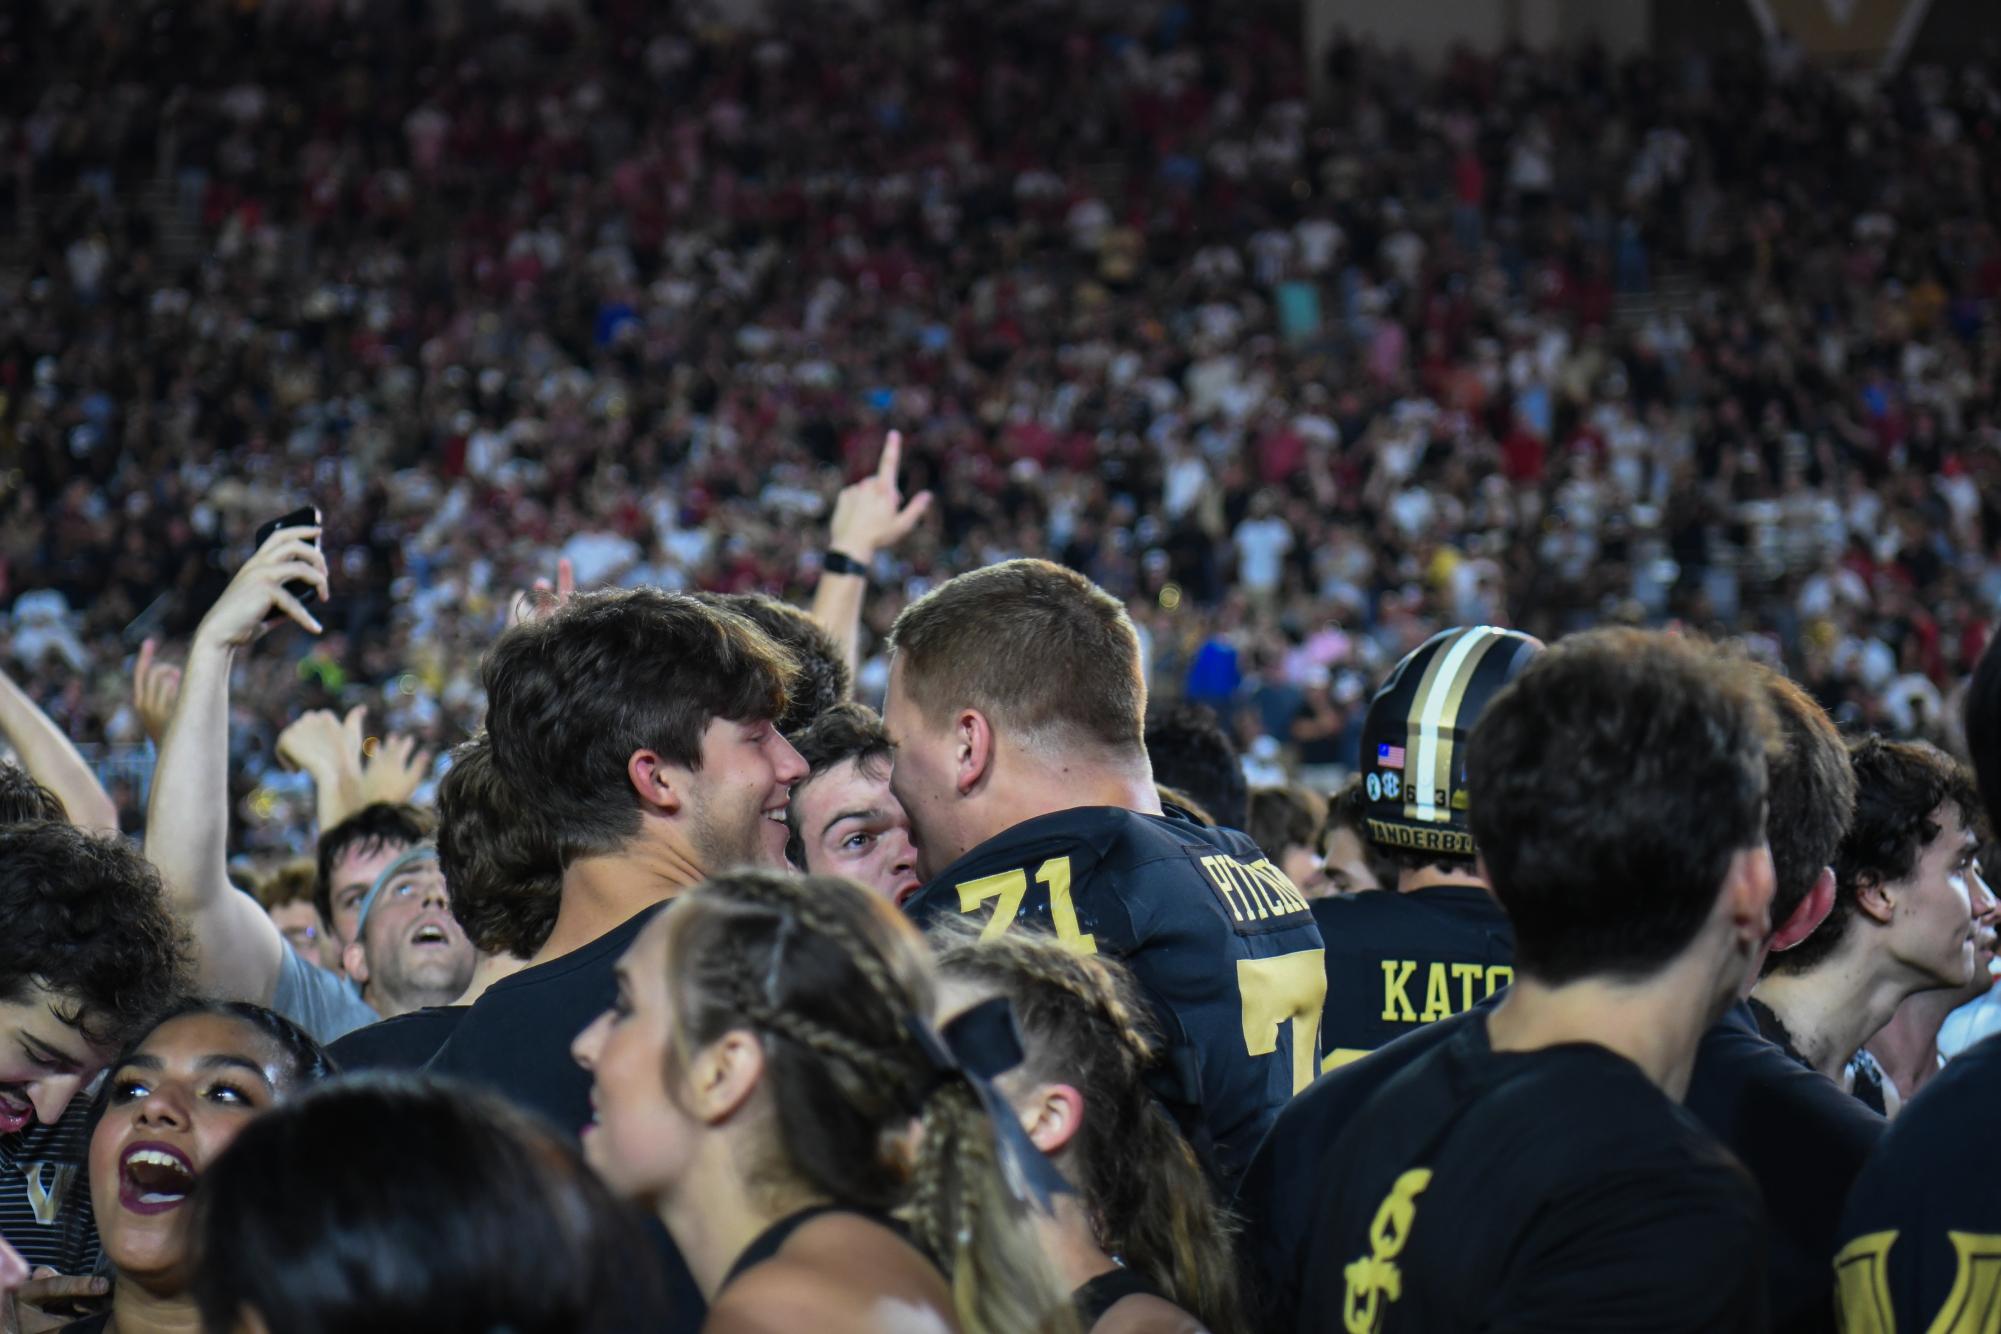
52,760
869,516
237,948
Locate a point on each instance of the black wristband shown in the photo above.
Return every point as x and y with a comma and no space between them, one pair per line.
840,562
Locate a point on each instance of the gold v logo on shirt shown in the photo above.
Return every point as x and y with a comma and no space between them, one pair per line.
47,1199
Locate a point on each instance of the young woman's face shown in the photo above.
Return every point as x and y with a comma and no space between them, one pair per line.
172,1106
638,1139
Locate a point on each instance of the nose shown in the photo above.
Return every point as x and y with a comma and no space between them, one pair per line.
903,853
163,1106
435,895
51,1097
584,1050
786,762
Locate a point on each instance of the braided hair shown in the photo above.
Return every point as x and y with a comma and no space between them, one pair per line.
829,977
1083,1024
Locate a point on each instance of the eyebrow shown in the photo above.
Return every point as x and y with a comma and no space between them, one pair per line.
218,1061
869,813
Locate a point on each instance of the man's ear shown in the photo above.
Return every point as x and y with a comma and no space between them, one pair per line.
1811,912
355,960
1874,899
973,737
655,780
724,1074
1749,895
1053,1116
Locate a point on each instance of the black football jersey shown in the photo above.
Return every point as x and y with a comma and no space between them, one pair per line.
1396,962
1220,941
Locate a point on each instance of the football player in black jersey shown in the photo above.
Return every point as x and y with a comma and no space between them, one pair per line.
1440,944
1016,702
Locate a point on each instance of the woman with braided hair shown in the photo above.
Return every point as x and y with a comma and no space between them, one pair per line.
1142,1242
768,1082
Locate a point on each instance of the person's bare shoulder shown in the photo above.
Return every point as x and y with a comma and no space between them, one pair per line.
838,1273
1142,1313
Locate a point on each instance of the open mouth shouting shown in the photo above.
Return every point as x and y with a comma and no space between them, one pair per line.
154,1178
429,932
15,1111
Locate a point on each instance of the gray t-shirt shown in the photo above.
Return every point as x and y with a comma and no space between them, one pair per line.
316,1000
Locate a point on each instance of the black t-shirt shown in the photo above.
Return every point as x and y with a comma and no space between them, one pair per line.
1802,1139
1922,1232
404,1042
1396,962
516,1040
1222,944
1549,1190
45,1209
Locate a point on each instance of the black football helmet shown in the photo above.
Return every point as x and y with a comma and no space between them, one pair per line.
1415,733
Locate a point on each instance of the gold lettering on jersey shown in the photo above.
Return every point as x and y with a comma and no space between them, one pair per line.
1476,983
1253,891
1374,1280
1396,999
1437,1004
1286,893
1862,1298
1226,886
47,1199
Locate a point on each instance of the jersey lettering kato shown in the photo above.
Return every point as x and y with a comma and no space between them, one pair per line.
1222,944
1396,962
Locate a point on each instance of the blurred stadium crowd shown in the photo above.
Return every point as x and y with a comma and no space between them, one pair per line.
1544,340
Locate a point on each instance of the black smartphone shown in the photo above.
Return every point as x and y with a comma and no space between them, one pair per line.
307,517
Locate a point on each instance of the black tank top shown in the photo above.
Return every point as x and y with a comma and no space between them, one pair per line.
1107,1290
772,1238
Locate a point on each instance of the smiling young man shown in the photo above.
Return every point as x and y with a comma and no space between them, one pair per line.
637,726
843,817
88,955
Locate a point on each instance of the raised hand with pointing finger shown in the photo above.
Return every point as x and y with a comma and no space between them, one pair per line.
871,515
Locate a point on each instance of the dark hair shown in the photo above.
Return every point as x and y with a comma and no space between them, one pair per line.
1283,816
830,977
374,828
570,697
1812,794
1032,645
1983,727
1084,1023
306,1061
1899,786
404,1202
1192,753
823,680
22,799
501,873
297,881
1346,811
1610,785
845,731
86,917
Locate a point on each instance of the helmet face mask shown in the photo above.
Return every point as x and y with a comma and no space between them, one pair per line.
1415,734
